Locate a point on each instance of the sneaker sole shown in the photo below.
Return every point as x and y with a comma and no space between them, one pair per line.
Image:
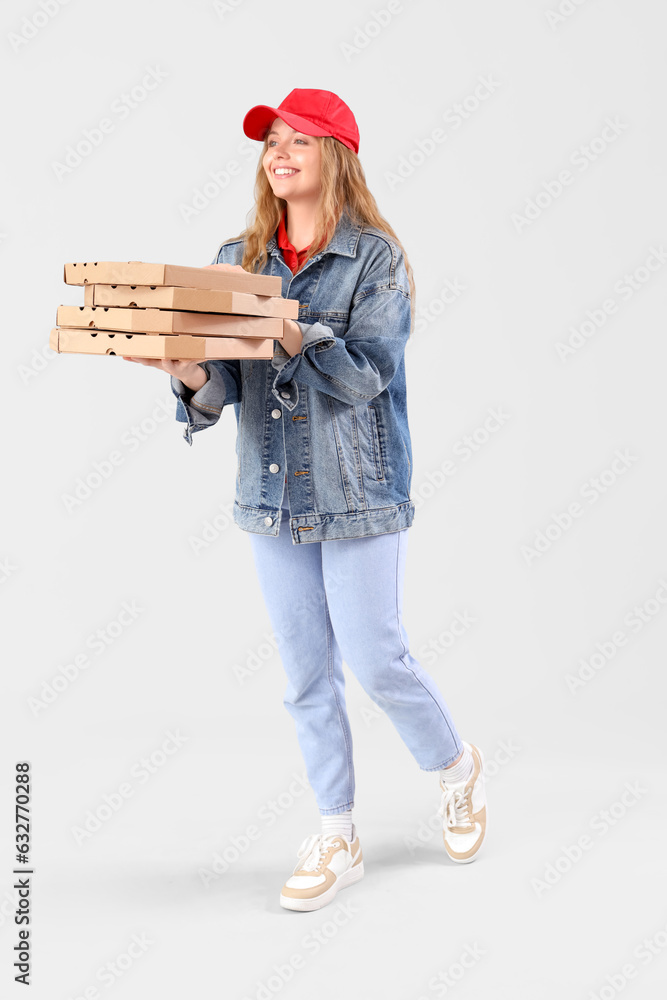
466,861
315,902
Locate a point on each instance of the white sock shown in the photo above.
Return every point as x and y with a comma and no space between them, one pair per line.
340,823
460,771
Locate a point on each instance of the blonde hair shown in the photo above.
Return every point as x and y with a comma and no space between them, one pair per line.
344,188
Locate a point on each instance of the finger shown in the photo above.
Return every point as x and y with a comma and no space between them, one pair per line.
148,361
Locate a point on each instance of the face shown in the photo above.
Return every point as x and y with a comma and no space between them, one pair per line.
299,156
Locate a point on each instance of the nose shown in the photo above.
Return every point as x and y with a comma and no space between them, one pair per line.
280,146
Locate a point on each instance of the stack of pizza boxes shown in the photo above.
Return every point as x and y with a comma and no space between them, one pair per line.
143,310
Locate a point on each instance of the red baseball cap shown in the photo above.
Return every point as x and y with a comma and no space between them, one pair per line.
313,112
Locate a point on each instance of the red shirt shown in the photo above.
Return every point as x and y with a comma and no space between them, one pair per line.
293,258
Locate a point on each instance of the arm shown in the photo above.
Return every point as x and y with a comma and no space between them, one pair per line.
200,400
359,365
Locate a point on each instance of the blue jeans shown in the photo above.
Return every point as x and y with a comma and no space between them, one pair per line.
342,599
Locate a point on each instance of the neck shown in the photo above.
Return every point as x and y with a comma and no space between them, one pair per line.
300,223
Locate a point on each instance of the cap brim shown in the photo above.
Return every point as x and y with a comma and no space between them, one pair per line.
259,118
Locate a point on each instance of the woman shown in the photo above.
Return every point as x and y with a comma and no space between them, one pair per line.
329,535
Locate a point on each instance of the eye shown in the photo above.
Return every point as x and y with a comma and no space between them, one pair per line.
271,142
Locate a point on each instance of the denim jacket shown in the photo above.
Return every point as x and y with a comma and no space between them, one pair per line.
325,432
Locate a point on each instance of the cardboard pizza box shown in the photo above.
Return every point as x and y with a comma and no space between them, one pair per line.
153,321
136,272
190,300
174,346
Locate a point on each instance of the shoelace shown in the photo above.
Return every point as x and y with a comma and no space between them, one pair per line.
313,850
456,807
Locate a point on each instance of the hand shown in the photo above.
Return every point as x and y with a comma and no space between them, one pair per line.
292,340
189,372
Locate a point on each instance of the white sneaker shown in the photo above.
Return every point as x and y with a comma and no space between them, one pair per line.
463,811
330,863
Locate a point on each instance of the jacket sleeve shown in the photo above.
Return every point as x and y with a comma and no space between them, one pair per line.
202,408
358,365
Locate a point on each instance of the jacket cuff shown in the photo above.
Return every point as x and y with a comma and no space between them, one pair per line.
315,337
202,408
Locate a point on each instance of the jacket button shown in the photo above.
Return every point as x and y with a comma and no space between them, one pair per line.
268,520
285,395
274,468
275,414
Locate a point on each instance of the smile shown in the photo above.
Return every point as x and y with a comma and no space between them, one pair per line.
284,171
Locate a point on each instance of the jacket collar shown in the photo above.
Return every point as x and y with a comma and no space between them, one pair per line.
344,240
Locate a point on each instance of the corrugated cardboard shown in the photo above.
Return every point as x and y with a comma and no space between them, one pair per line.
190,300
140,345
136,272
153,321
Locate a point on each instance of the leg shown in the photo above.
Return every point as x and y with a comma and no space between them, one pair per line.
290,577
364,580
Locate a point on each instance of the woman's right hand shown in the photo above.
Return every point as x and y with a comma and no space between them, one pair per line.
190,373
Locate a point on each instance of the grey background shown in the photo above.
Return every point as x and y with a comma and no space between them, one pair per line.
67,572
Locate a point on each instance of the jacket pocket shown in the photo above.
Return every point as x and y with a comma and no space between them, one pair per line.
375,441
